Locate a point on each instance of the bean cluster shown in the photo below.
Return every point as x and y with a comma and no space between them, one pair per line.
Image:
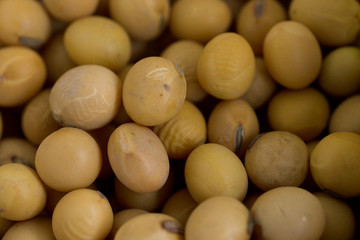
179,119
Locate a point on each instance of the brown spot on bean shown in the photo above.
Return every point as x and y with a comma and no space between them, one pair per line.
259,8
238,140
172,226
30,42
102,195
166,87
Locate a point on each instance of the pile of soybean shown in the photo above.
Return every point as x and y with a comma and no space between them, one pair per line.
183,119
